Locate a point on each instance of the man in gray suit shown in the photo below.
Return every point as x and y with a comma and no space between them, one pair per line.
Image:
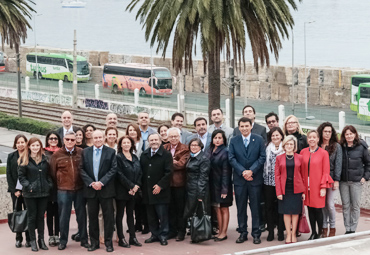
250,113
177,121
200,125
144,121
217,116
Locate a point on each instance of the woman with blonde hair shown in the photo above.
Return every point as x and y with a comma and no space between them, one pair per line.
33,172
292,127
290,189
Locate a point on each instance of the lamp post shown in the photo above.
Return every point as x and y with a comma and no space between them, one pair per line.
292,72
305,71
37,66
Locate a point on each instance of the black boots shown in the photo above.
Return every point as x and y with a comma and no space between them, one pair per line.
42,244
34,245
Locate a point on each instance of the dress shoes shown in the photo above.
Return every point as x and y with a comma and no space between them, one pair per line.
270,236
220,239
281,236
123,243
85,244
33,246
313,236
256,240
171,236
93,247
151,239
18,244
180,237
61,246
110,249
163,241
42,245
133,241
77,237
241,239
27,244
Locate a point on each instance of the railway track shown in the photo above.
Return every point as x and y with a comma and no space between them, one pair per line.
52,112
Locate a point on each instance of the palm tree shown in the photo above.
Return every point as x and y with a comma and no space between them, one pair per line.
220,24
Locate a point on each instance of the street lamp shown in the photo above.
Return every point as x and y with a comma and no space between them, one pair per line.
292,72
305,69
37,66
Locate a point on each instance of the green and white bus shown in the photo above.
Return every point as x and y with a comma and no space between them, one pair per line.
356,80
363,100
56,66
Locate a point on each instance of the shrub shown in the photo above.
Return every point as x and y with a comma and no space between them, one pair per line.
26,124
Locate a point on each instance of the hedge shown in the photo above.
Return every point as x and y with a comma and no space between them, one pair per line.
26,124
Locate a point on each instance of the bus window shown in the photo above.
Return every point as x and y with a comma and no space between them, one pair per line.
82,67
162,73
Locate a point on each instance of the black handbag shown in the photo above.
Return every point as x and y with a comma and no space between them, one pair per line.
201,227
17,220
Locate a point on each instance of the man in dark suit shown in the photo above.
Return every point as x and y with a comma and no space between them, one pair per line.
177,120
250,113
247,156
200,125
180,154
98,168
156,164
67,120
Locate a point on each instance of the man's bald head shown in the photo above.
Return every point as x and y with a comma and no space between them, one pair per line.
67,119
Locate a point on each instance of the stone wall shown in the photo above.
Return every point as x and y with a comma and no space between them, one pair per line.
6,202
326,85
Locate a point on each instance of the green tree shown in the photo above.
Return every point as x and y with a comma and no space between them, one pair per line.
221,25
13,21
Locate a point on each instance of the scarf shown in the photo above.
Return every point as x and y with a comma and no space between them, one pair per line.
271,154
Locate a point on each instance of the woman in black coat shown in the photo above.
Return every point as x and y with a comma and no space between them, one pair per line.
14,187
33,171
220,181
197,184
128,182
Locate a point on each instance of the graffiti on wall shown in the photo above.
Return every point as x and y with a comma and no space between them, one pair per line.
97,104
8,92
47,98
121,109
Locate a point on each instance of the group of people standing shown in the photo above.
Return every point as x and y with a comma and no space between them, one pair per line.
162,177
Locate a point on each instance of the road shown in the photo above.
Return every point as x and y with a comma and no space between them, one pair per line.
196,102
4,151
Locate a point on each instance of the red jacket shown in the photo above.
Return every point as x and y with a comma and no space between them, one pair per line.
281,175
319,176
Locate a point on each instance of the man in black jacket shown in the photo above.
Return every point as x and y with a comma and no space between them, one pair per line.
98,168
67,121
156,164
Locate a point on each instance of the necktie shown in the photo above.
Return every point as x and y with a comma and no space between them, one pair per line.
153,153
246,142
96,164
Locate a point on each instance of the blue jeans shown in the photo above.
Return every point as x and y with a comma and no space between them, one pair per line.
65,199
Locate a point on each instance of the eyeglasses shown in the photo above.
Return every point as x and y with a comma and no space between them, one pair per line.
292,123
69,139
271,122
53,138
173,136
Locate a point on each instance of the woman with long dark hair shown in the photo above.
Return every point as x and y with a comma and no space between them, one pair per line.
128,182
329,142
89,130
80,138
14,187
355,171
220,184
52,144
33,171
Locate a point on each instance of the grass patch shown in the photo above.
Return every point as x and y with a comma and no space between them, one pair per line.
2,170
26,124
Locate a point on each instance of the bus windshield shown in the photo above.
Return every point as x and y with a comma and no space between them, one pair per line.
82,67
357,80
162,73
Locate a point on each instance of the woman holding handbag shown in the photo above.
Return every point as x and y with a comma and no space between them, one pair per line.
14,187
34,177
289,185
316,174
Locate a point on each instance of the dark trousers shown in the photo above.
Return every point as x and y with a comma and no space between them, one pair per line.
176,211
271,209
242,194
52,218
65,199
158,220
129,205
20,206
316,216
36,208
108,216
141,218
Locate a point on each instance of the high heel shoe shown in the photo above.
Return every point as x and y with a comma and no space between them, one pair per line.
33,246
42,244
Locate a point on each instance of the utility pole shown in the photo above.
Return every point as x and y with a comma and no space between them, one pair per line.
19,83
232,96
75,71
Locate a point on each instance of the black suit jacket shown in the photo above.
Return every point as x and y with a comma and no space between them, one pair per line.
61,133
107,172
257,129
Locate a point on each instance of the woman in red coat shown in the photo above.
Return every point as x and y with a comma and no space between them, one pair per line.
316,174
289,186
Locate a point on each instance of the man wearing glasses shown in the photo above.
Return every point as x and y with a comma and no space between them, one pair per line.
64,166
272,120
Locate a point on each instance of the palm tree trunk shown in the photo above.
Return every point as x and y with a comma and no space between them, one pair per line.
214,82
